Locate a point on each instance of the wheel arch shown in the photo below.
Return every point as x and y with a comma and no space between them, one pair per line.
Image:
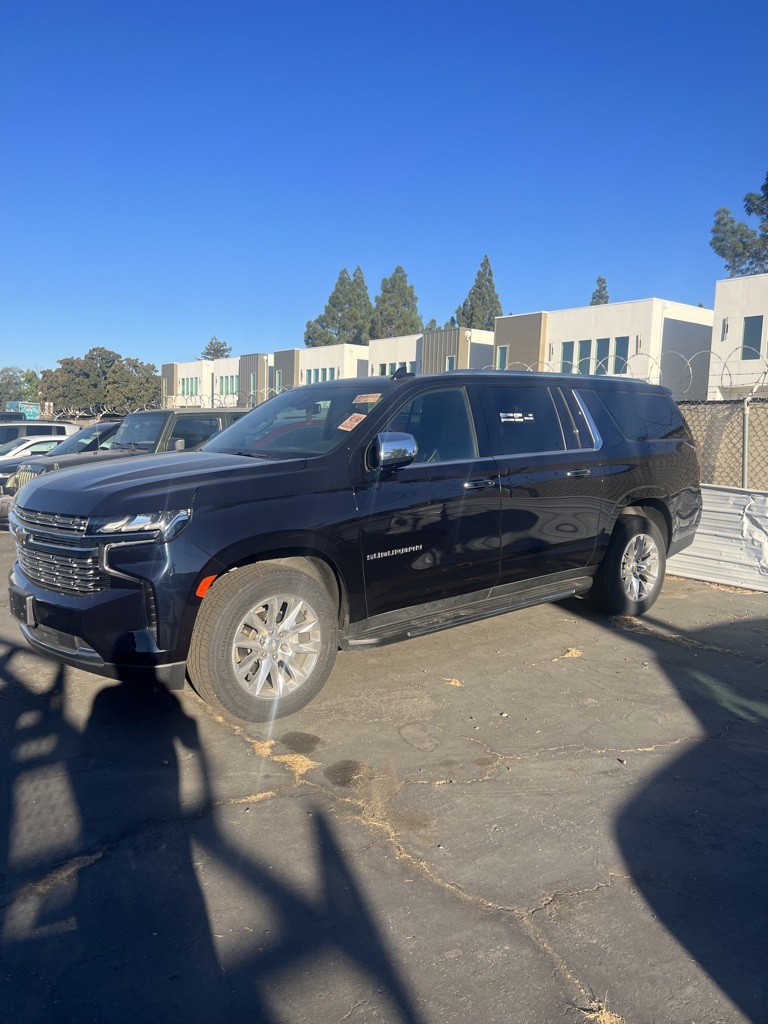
654,509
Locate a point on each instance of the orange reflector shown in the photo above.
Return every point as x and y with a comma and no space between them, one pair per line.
205,584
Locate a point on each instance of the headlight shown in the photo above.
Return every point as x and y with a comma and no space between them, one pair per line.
162,525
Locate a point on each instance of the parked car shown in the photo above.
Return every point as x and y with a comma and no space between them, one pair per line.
35,428
349,514
18,446
13,453
140,433
95,437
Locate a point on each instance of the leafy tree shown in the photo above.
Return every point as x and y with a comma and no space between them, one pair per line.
396,310
744,249
482,304
433,325
600,294
346,318
216,349
17,385
98,382
132,385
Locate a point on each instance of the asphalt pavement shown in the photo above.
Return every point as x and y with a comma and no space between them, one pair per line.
548,816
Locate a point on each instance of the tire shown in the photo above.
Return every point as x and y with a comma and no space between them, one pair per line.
242,662
631,574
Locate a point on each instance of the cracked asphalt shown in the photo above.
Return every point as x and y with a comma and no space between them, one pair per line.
547,816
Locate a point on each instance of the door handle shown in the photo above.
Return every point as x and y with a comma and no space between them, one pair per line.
579,472
478,485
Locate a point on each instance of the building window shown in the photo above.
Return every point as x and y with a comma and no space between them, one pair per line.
621,355
332,373
724,329
324,373
602,353
450,363
566,357
585,355
752,339
501,357
392,368
412,367
278,380
382,369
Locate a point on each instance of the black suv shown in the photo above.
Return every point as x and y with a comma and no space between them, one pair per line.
353,513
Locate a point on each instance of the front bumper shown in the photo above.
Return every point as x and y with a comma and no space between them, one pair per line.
112,632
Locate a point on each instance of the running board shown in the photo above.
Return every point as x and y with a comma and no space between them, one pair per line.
409,623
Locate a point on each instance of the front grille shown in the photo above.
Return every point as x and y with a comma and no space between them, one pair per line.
54,552
22,476
51,520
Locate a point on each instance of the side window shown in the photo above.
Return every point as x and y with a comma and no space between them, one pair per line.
584,432
47,428
523,420
643,415
193,430
441,422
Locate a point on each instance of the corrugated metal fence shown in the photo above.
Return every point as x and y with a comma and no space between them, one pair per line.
731,545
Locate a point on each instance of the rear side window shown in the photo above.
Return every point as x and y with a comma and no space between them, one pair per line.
44,428
523,420
643,415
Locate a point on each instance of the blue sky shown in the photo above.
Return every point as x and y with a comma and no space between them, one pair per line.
174,171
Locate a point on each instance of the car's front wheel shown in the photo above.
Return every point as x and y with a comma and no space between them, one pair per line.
632,572
264,642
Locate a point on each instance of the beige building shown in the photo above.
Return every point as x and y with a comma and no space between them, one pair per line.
664,342
739,364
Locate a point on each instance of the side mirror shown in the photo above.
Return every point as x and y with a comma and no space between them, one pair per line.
392,449
176,444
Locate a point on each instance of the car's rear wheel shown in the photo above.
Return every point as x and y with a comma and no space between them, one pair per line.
632,572
264,643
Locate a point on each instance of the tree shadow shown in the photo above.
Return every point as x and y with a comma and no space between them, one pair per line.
104,918
695,837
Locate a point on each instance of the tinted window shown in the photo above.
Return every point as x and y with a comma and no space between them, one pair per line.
140,430
643,415
193,430
522,420
44,428
441,423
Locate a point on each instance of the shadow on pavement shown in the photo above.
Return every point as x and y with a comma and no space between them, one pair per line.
103,915
695,838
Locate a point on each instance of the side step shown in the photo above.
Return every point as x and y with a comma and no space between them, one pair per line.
415,621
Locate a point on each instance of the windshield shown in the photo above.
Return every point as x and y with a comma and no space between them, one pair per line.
97,435
11,446
140,430
300,423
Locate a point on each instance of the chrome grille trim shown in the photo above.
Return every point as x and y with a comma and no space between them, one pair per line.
53,551
52,520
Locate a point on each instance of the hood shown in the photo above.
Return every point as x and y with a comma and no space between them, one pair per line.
46,463
154,483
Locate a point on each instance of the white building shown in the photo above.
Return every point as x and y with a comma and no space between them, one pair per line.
739,364
660,341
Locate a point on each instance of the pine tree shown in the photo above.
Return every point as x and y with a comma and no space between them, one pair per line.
346,318
600,294
216,349
396,311
482,305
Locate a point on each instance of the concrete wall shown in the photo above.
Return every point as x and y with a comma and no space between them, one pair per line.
344,360
731,375
394,351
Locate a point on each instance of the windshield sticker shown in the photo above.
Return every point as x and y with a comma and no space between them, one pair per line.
516,417
362,399
351,421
